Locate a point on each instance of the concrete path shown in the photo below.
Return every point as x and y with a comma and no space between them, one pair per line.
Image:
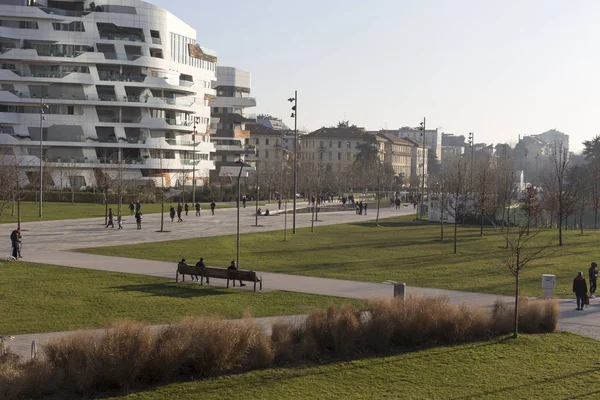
82,233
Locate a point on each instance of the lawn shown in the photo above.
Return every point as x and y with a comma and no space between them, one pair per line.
531,367
46,298
399,249
60,211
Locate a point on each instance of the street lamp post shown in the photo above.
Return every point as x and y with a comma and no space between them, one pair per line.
294,100
422,208
472,144
196,121
238,214
42,107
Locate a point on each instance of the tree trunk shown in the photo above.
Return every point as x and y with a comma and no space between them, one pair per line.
481,226
72,197
516,321
581,217
455,230
378,202
442,219
560,236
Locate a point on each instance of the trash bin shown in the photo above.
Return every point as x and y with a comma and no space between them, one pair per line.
400,290
548,284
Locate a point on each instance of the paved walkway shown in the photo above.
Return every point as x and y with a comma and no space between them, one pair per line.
82,233
45,242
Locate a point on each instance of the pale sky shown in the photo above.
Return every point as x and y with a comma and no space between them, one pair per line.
498,69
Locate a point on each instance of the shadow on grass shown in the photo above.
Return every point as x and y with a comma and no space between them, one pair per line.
176,290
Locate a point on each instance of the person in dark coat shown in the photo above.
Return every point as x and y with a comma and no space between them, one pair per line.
138,219
110,219
197,209
212,207
15,239
172,213
233,267
200,264
131,208
580,290
593,274
179,210
186,207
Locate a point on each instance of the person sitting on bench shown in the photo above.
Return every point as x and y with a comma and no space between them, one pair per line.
200,264
259,212
267,212
233,267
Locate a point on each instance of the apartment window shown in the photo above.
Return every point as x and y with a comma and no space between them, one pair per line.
257,141
339,156
347,156
320,144
266,141
256,153
330,154
266,153
330,144
339,145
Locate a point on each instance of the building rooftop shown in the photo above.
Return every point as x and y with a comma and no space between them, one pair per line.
346,132
259,129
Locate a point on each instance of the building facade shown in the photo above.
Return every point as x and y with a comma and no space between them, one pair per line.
418,164
397,153
229,118
121,86
332,149
433,138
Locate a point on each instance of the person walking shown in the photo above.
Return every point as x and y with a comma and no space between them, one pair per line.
110,219
593,275
366,204
131,208
186,207
279,203
233,267
15,240
138,206
179,210
580,290
138,219
172,213
212,207
200,264
197,209
119,219
244,201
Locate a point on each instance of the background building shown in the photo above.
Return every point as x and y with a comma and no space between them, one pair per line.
229,118
123,86
397,153
418,164
433,138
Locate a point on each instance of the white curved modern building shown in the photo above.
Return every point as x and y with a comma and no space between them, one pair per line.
123,86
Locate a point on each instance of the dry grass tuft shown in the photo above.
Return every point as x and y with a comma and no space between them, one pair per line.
129,354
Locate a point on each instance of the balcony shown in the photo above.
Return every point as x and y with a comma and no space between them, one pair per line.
121,56
105,76
120,36
156,41
176,122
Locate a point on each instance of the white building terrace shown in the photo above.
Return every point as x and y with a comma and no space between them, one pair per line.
122,84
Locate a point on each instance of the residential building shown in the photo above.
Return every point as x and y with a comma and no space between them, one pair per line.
433,138
279,125
396,153
418,163
452,146
123,86
333,149
229,118
552,137
267,142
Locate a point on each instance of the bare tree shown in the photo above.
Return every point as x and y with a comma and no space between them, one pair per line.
484,177
383,173
456,182
557,182
522,249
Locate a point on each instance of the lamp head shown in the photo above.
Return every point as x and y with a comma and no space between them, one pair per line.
291,99
293,115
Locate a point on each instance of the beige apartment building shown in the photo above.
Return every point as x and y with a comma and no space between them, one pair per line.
396,153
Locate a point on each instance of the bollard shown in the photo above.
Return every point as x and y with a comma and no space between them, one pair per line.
548,284
400,290
33,350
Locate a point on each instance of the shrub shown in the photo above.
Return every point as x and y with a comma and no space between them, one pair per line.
129,354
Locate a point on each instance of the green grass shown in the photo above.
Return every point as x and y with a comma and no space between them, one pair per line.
46,298
399,250
556,366
60,211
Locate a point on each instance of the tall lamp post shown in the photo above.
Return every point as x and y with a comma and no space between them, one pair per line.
239,191
422,128
294,115
257,195
472,144
196,121
43,106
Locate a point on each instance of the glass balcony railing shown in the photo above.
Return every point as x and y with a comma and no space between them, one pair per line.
156,40
105,76
121,56
175,122
118,36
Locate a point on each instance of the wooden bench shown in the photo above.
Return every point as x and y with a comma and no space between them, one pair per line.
186,269
217,273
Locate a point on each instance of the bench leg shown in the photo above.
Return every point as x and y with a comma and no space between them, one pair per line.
261,283
176,276
228,283
255,285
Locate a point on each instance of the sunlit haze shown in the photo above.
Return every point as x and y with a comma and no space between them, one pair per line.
499,69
